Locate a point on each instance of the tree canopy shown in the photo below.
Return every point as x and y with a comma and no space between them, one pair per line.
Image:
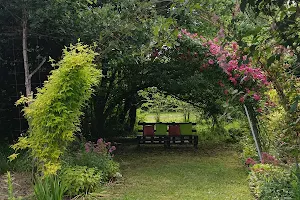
141,44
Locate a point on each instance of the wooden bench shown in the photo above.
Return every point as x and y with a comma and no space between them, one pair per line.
167,133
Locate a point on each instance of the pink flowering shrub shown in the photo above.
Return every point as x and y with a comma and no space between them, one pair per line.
249,80
266,159
269,159
250,162
101,147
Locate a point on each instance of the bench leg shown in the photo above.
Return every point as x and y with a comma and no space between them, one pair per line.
196,142
138,139
167,141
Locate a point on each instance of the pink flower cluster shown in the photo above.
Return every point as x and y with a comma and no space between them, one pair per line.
268,159
250,162
239,69
101,147
188,34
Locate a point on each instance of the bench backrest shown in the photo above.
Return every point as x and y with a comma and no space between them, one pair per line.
186,129
161,129
173,129
148,130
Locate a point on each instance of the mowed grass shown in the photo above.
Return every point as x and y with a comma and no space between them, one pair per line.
168,117
204,127
152,173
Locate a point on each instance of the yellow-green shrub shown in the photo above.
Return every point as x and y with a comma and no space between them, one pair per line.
54,114
80,179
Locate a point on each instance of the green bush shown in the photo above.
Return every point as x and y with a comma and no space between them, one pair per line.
296,182
247,146
48,188
269,182
106,165
80,179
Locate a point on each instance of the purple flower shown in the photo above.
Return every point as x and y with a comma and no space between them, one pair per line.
210,61
113,148
256,96
87,147
100,140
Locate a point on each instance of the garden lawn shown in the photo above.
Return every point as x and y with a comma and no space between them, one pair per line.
180,173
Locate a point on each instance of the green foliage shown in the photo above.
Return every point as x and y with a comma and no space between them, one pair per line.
80,179
248,147
269,32
268,182
10,187
296,182
156,101
54,114
106,165
22,164
48,188
204,17
283,19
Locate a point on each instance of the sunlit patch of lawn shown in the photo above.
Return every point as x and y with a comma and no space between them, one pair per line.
180,173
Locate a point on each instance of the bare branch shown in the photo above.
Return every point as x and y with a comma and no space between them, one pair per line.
36,69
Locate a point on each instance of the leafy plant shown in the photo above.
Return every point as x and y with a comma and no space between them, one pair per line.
10,187
22,164
296,182
106,165
54,114
268,182
49,188
80,179
248,148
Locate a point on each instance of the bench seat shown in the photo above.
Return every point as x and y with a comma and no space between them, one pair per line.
167,140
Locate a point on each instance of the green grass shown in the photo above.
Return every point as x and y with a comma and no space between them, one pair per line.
204,128
168,117
180,173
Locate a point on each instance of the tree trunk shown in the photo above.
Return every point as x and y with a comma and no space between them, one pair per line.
98,118
25,52
132,117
